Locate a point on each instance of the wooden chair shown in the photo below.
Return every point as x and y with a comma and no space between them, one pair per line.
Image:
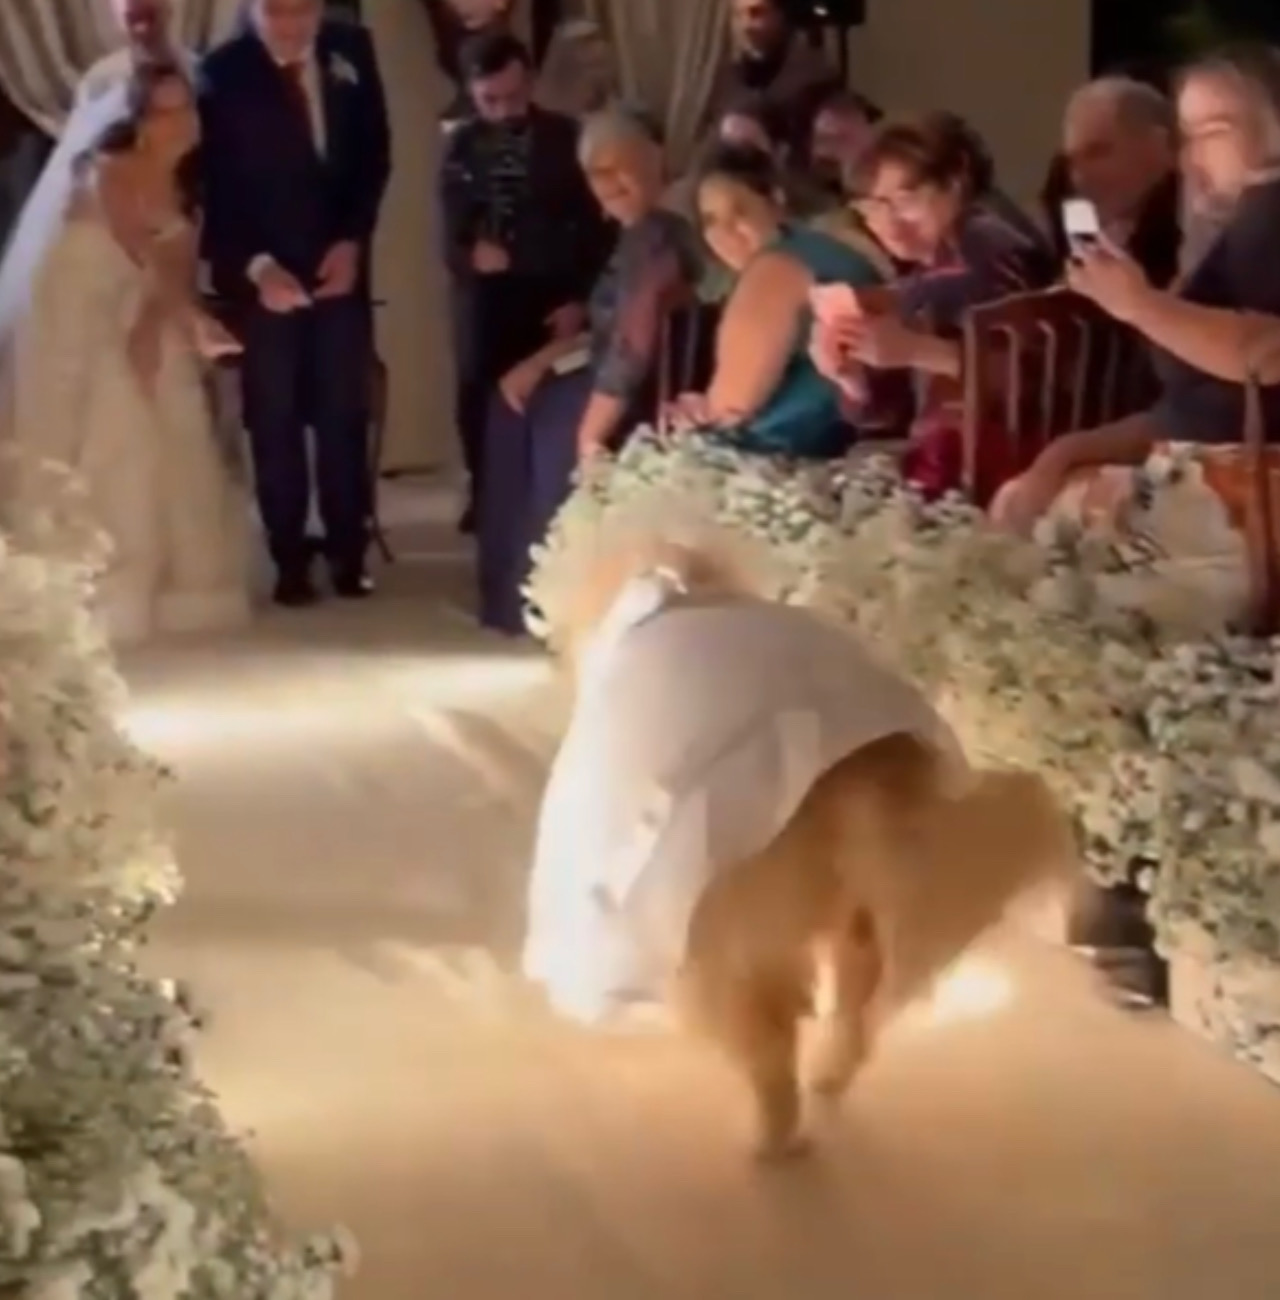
1262,528
686,350
1038,365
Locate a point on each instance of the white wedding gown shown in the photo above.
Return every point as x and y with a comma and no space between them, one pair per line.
158,484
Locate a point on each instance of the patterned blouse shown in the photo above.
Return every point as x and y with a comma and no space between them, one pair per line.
655,264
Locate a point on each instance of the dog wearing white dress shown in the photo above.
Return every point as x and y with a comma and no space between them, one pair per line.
747,804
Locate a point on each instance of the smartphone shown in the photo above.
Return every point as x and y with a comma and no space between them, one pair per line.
573,361
1081,222
832,301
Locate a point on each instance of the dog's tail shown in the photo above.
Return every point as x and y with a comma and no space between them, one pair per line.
939,867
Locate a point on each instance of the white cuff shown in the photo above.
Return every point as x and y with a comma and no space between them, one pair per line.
259,266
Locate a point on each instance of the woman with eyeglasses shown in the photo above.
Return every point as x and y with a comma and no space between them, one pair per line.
928,197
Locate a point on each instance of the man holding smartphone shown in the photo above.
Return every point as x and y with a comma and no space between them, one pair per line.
1120,158
1120,162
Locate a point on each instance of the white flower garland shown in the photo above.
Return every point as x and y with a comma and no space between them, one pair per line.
1074,655
117,1175
787,509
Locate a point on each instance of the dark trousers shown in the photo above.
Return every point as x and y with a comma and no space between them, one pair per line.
529,474
310,370
498,321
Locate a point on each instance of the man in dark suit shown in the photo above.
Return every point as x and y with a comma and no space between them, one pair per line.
298,155
524,239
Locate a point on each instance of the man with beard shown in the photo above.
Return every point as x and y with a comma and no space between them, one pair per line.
150,37
773,62
524,239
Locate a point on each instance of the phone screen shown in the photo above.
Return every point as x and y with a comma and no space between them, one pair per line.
832,301
1080,221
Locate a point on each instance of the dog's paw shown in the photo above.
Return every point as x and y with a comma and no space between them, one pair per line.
832,1071
780,1149
827,1091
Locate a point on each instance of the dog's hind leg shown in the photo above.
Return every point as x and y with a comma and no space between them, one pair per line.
844,1033
755,1018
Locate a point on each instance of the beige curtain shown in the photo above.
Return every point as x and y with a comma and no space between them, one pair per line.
47,45
668,53
413,322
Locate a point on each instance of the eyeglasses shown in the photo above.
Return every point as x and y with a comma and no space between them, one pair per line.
905,205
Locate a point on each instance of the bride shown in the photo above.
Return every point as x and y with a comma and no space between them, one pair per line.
103,339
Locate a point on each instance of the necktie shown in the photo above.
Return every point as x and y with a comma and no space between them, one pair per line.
295,83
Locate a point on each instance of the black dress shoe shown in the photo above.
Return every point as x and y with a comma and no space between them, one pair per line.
352,584
295,591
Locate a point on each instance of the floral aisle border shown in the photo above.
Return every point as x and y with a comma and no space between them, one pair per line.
1073,655
118,1176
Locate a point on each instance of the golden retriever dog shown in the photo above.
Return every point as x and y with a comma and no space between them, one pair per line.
881,870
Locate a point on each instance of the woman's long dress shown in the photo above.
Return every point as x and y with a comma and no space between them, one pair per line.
158,484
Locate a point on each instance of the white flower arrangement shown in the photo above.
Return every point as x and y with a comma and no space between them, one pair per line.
1096,663
789,510
1082,656
117,1175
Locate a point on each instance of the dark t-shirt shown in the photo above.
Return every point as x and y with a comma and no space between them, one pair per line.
1240,272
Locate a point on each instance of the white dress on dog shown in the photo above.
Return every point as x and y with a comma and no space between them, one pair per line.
697,731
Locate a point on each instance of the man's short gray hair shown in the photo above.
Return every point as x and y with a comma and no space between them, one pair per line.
617,124
1137,104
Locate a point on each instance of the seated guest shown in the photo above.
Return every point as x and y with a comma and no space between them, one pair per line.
1119,151
925,188
772,59
524,240
926,184
928,195
843,126
1205,331
766,396
574,395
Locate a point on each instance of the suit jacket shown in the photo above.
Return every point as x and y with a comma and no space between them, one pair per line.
269,191
560,236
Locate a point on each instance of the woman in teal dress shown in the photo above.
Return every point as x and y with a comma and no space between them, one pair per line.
766,396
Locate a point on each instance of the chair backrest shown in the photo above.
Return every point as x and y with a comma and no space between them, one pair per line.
686,350
1037,365
1261,538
